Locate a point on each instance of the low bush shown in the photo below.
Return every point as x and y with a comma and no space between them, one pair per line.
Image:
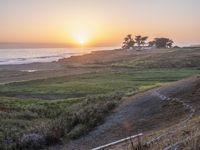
81,119
69,123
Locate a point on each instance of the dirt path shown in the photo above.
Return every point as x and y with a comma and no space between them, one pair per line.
173,130
141,113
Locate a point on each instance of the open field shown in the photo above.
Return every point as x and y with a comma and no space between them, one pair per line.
45,111
31,112
96,83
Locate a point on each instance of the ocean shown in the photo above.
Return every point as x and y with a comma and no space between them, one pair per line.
33,55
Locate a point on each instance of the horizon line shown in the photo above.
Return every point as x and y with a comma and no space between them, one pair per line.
44,45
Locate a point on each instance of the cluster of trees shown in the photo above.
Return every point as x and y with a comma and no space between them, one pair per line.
141,41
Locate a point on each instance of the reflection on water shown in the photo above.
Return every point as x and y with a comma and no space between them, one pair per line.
31,55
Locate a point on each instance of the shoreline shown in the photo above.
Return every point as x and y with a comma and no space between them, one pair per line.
94,61
41,55
39,66
43,70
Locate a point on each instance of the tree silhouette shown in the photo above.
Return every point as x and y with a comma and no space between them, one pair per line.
163,43
141,41
138,40
151,43
128,42
170,43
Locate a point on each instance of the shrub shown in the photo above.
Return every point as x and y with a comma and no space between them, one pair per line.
31,141
70,123
77,131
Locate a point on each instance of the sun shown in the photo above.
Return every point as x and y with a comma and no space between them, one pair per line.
82,42
81,39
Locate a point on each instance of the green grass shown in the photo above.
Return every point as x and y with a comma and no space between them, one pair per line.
105,83
89,98
51,120
175,58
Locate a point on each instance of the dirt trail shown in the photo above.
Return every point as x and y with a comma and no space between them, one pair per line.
140,113
173,130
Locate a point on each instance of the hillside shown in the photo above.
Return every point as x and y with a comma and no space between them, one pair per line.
184,134
67,103
143,59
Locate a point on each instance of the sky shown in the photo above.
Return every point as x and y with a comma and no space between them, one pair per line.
98,22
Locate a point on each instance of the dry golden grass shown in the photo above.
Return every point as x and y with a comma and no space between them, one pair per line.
185,137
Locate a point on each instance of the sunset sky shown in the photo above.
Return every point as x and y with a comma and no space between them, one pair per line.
98,22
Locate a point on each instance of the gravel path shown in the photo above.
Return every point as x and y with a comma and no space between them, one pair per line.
131,117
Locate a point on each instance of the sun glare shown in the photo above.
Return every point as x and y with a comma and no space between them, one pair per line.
81,39
81,42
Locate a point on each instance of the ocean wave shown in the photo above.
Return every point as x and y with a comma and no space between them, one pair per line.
49,58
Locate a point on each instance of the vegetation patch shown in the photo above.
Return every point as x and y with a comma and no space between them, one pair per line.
93,84
40,121
46,122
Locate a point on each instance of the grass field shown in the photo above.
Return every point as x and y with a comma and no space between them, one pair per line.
77,104
174,58
96,83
